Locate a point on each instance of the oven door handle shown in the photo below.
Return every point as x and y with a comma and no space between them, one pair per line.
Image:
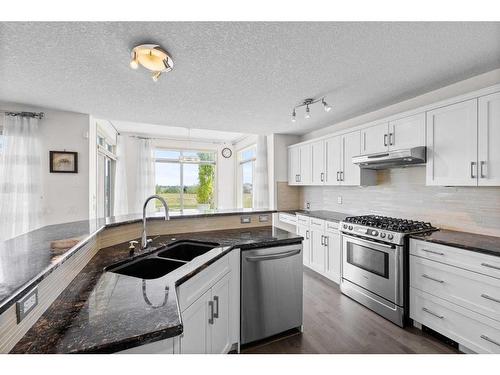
373,244
285,254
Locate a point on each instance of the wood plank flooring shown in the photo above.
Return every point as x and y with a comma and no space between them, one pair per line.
335,324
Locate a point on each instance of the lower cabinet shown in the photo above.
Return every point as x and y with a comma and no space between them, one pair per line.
456,293
321,246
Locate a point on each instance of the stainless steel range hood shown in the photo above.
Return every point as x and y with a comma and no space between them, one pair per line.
392,159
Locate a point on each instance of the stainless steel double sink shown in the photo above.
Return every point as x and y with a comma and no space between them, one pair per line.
162,261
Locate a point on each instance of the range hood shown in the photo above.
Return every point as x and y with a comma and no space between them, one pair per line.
392,159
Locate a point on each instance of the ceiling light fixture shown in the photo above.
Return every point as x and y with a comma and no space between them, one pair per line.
153,58
306,103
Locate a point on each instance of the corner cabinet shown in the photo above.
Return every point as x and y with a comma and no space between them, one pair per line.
209,304
328,162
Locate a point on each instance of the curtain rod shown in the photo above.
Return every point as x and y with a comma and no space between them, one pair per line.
38,115
213,141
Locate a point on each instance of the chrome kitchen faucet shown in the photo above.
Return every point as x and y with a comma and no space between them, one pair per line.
144,239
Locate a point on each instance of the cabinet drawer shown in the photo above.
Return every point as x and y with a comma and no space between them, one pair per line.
468,289
317,224
466,327
469,260
288,218
332,227
303,220
189,291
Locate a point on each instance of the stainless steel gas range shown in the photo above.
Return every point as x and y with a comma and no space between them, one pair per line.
375,262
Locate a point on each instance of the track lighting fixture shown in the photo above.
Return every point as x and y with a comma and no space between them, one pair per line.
153,58
306,103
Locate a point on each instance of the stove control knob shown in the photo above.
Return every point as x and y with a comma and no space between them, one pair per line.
350,227
345,226
382,235
390,236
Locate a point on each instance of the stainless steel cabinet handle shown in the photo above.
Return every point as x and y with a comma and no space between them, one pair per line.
432,313
322,240
341,175
391,139
216,300
273,256
300,177
472,166
432,278
484,337
432,252
326,240
338,176
490,266
307,234
490,298
322,177
211,306
481,173
385,139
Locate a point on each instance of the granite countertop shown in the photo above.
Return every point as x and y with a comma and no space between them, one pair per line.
469,241
321,214
106,312
28,258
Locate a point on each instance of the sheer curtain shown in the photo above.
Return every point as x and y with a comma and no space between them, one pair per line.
121,184
261,185
20,176
145,176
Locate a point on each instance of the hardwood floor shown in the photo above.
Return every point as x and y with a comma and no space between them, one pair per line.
335,324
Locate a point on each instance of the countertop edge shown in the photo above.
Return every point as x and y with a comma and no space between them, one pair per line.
457,245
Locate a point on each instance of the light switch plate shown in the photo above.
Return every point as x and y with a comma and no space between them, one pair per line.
308,205
245,219
263,218
339,199
26,304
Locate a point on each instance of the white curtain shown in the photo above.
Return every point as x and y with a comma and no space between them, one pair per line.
121,184
20,176
261,185
145,176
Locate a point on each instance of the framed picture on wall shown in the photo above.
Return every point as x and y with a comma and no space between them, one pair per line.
63,162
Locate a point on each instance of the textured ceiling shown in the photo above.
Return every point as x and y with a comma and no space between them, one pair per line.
242,77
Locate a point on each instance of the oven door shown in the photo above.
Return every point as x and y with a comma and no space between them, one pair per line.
374,266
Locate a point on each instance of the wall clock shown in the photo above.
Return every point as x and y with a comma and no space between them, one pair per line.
226,152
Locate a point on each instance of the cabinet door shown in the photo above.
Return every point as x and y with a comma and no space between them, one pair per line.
221,297
317,250
293,165
196,335
333,256
351,174
318,162
452,145
305,175
304,232
489,140
333,160
407,132
374,139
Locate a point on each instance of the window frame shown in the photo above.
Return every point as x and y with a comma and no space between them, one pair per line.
181,161
108,152
240,164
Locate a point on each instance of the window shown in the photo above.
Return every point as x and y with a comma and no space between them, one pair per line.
185,178
246,159
106,160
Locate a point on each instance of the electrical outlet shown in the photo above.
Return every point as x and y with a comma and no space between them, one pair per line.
339,199
308,205
245,219
263,218
26,304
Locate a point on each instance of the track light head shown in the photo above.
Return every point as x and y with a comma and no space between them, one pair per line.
294,115
308,113
326,107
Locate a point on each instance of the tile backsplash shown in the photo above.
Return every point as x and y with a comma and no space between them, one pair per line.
402,193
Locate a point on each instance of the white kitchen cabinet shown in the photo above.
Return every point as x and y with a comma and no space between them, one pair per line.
317,245
318,163
293,165
333,254
300,165
489,140
304,231
374,139
407,132
209,304
351,174
333,160
452,145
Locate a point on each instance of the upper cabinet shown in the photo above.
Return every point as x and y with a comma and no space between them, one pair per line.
300,165
489,140
318,163
452,145
399,134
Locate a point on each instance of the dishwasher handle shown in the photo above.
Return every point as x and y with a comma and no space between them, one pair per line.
284,254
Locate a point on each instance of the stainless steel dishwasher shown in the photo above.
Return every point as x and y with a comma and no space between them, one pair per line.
271,291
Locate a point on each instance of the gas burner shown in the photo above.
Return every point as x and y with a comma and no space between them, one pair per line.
390,223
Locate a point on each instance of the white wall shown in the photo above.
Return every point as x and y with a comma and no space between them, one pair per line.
65,196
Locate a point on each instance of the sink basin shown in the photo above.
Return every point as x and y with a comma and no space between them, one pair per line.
186,250
147,268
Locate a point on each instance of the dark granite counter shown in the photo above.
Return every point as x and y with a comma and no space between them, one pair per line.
321,214
27,259
469,241
106,312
